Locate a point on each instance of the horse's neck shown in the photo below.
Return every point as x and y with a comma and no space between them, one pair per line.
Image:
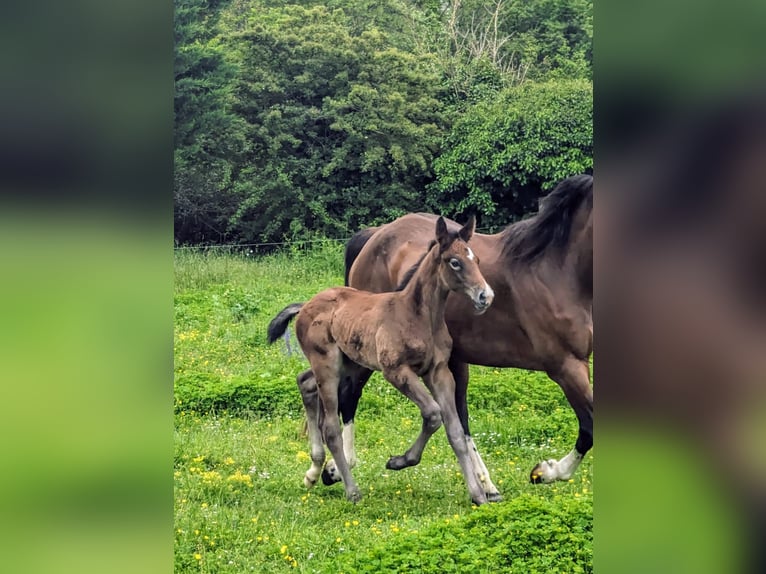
571,270
426,291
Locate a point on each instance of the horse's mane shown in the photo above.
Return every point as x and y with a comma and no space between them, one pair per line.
412,270
528,239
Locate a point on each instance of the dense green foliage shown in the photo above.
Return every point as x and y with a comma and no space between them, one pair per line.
322,117
503,152
240,454
507,537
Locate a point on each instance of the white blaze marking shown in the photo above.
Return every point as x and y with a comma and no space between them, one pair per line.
470,253
488,290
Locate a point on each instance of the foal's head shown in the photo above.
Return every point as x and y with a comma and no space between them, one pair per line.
459,266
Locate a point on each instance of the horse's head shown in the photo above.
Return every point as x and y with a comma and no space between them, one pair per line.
459,266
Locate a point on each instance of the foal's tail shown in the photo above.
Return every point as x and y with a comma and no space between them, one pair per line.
279,324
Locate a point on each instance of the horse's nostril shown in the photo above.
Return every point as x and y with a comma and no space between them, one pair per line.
482,297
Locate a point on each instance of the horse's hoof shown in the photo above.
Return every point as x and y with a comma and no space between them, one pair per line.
397,463
494,497
354,496
542,473
479,501
536,476
308,483
330,476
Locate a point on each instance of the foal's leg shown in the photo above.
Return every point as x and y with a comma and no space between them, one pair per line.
327,372
442,386
408,383
574,379
460,373
349,393
308,388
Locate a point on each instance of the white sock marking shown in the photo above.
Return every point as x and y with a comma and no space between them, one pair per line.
348,444
552,470
481,468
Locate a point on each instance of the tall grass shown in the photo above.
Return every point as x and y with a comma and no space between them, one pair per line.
240,455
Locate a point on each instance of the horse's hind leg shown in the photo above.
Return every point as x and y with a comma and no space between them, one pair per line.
308,388
408,383
351,385
574,379
460,374
327,371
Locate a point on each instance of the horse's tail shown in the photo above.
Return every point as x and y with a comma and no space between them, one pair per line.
279,324
354,247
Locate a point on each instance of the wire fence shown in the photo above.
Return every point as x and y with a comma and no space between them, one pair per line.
273,245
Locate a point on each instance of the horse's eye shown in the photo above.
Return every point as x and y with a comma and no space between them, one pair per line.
455,264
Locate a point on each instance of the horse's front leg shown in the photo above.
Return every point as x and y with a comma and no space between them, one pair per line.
574,379
442,386
460,374
408,383
349,393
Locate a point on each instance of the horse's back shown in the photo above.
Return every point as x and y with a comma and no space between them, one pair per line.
392,250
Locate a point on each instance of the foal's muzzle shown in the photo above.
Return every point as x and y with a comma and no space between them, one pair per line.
483,299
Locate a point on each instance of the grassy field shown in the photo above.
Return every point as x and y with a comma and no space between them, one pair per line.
240,455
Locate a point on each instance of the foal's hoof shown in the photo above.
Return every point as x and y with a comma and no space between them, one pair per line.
354,496
494,497
397,463
330,475
308,483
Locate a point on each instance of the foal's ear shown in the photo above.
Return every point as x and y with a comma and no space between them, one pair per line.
466,232
442,235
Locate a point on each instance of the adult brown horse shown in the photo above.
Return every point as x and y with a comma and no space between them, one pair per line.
346,332
541,270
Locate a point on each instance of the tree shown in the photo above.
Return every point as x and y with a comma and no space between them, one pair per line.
208,135
344,126
504,153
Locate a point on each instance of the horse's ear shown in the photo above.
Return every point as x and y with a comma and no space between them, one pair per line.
442,235
466,232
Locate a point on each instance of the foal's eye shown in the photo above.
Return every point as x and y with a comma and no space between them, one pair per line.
455,264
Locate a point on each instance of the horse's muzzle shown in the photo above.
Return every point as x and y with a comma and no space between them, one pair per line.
483,299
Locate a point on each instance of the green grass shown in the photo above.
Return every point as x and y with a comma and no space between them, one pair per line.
240,455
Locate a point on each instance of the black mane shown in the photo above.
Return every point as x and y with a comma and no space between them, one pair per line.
527,240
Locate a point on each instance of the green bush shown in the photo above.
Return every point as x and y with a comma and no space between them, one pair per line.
526,534
505,153
254,395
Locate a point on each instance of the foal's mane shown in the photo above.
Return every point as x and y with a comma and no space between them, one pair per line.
412,270
527,240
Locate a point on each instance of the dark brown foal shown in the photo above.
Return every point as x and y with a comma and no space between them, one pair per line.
349,333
